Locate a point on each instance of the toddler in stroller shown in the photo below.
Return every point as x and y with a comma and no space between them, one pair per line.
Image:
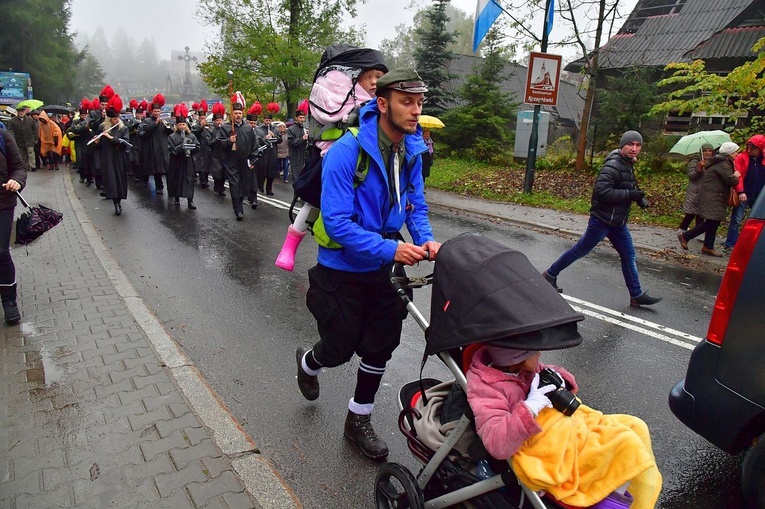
485,294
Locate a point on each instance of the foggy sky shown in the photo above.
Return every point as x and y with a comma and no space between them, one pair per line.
172,24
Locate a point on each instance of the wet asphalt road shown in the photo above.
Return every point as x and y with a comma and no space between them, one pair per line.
212,282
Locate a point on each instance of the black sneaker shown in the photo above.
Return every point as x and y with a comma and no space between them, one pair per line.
553,281
308,385
644,300
239,216
359,430
12,314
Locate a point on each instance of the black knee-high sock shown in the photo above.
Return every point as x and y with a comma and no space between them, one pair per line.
367,383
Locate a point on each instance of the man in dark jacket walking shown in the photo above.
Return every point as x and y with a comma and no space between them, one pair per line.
615,190
22,127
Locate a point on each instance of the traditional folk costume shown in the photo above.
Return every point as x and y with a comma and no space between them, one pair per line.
154,156
217,151
182,145
113,147
203,133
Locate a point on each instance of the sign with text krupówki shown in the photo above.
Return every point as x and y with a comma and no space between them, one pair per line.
543,79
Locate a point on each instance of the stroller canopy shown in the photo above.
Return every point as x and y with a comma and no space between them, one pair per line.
484,291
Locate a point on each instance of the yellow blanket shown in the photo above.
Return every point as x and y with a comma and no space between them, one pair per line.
581,459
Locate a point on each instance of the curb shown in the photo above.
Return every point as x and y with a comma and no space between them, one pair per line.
258,474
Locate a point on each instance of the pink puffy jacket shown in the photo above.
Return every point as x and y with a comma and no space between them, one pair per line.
741,163
503,421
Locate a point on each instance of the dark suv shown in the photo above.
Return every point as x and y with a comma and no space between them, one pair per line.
722,397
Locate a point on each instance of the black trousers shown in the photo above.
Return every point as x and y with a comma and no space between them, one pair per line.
7,268
355,313
708,228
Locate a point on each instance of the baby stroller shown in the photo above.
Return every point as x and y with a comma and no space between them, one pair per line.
482,292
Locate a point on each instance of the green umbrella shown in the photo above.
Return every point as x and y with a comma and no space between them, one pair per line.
32,104
691,143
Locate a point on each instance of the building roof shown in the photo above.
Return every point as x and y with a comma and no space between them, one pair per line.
570,103
658,32
730,43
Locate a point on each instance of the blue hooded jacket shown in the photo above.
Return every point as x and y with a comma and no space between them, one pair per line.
358,218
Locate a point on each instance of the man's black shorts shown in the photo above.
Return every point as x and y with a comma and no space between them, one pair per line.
355,313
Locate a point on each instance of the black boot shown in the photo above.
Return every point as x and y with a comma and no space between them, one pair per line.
117,208
358,429
192,206
11,310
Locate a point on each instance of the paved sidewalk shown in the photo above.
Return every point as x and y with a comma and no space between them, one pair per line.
98,406
653,241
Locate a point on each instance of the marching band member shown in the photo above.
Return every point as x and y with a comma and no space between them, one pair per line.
182,144
270,166
95,119
154,133
204,135
80,133
240,151
216,152
113,141
258,168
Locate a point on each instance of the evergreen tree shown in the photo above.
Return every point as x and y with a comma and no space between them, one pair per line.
433,56
35,39
99,47
89,78
480,127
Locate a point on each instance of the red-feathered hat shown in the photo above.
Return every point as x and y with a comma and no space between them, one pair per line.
237,101
143,106
202,107
254,111
218,110
302,108
84,105
106,94
114,106
181,113
273,108
133,104
194,106
158,101
95,104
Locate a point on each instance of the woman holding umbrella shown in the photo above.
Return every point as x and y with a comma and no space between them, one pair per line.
695,170
718,177
13,175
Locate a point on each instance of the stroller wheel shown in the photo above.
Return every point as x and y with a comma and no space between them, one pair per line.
396,487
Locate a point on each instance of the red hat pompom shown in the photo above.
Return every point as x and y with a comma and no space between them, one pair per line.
303,107
273,107
195,106
85,105
143,105
218,109
95,104
107,92
257,108
158,101
202,106
133,104
114,106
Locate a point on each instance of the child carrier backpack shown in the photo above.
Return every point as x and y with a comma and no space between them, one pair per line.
333,110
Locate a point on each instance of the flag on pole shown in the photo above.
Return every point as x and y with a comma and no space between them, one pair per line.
486,13
550,17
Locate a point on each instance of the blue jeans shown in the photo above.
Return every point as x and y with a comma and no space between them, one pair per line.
620,238
736,218
284,167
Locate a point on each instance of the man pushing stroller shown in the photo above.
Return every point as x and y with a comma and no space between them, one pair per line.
356,308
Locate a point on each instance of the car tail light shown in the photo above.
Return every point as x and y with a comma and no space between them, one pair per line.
731,282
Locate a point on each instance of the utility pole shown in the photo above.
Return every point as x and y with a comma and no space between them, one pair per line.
531,159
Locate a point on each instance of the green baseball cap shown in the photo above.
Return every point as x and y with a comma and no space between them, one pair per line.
403,79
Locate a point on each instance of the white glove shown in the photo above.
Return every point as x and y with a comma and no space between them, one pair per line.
537,398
